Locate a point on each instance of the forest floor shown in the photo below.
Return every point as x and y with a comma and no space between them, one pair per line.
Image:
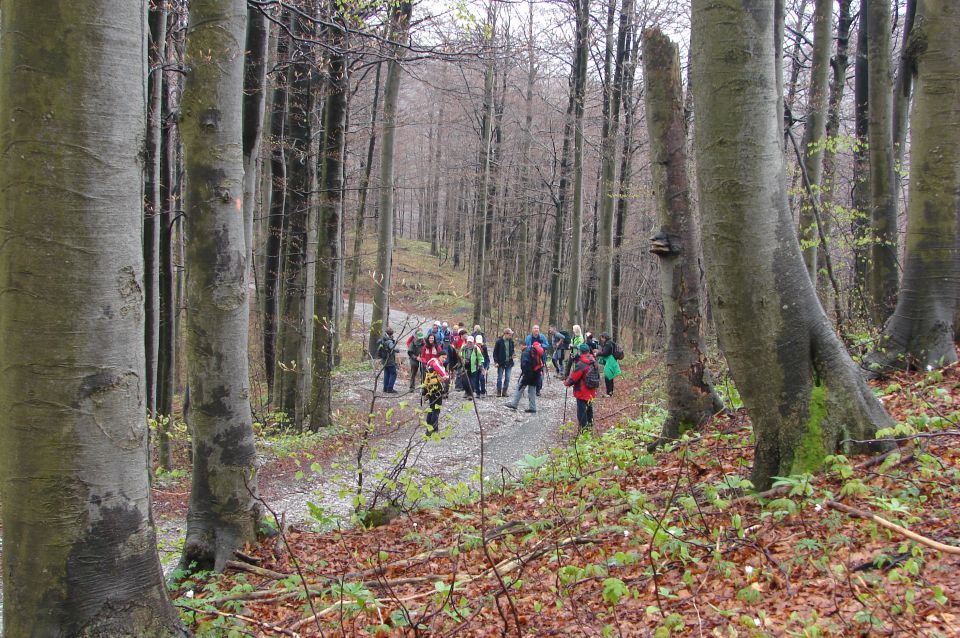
601,537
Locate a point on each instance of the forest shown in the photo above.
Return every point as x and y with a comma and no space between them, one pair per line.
229,227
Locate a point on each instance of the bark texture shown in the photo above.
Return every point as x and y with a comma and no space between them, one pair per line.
224,513
692,400
574,310
80,553
920,331
804,393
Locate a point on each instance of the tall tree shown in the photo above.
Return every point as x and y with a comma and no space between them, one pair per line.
80,553
254,104
224,512
328,298
884,275
814,131
152,202
608,159
579,88
399,23
920,331
692,400
804,393
861,167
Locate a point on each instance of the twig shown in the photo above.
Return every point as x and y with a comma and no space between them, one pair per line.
246,619
882,522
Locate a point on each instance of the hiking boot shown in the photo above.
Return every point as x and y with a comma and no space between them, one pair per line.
528,411
512,407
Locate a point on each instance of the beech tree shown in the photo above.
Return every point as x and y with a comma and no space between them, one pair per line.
692,400
224,513
80,553
920,331
804,393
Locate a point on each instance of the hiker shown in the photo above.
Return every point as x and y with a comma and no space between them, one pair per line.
584,379
608,359
481,344
386,352
593,343
503,360
430,349
561,344
435,330
472,360
444,333
477,332
434,388
535,336
531,373
414,346
575,342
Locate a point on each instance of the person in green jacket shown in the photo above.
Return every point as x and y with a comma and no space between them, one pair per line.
473,361
575,342
611,367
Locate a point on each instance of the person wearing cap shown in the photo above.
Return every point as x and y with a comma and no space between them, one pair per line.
581,392
536,335
386,352
414,345
531,371
444,332
503,360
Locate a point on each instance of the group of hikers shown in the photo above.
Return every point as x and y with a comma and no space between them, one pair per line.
442,355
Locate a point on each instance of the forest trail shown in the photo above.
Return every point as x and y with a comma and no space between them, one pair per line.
508,437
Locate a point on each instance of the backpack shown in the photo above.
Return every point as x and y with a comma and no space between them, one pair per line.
536,361
413,347
567,341
617,351
432,385
592,378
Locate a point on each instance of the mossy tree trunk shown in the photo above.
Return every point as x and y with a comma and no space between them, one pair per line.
692,400
883,271
80,554
327,296
224,513
920,331
574,267
399,24
804,393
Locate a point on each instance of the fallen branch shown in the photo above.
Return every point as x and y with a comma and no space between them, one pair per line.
241,617
882,522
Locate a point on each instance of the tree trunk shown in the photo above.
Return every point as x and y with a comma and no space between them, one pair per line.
357,259
399,23
920,332
224,513
626,168
692,400
254,105
152,203
330,211
883,273
814,131
861,170
273,261
80,548
295,322
485,159
902,88
574,310
608,180
804,393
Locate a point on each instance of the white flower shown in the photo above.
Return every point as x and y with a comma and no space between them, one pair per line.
189,594
540,501
748,569
414,523
817,507
757,622
616,467
626,532
929,368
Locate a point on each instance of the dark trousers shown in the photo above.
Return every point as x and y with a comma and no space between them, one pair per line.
472,384
482,381
415,366
389,378
585,414
433,416
609,385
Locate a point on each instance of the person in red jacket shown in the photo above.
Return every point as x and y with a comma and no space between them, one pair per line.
431,348
434,387
581,390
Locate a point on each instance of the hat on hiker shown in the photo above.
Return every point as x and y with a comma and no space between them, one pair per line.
436,323
470,340
446,325
584,348
419,334
479,339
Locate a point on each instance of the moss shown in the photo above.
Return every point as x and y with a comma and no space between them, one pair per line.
810,454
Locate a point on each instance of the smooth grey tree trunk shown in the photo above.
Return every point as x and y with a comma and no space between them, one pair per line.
152,202
224,513
920,331
883,268
803,392
574,310
814,131
80,555
692,400
860,196
327,298
254,105
399,23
